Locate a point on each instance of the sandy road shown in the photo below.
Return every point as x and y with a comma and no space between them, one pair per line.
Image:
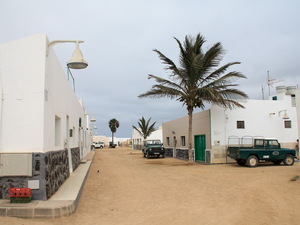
130,190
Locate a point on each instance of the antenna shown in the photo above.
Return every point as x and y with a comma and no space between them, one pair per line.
262,92
271,81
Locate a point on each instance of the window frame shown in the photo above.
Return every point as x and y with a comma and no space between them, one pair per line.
240,124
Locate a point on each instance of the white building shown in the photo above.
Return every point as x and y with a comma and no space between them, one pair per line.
137,139
117,141
44,129
278,118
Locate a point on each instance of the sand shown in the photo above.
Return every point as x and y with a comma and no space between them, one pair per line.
131,190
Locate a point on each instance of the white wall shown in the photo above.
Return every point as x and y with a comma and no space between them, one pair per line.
35,92
261,119
177,128
137,139
298,111
22,68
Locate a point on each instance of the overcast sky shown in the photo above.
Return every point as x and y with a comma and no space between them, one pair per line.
119,36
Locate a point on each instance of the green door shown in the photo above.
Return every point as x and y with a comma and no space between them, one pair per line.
200,146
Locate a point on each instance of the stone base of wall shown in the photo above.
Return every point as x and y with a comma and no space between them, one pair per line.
169,152
56,170
182,154
75,157
49,171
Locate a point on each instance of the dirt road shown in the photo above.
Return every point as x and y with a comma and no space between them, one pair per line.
131,190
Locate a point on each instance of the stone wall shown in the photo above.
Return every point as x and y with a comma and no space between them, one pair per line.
49,171
22,182
169,152
56,170
75,157
182,154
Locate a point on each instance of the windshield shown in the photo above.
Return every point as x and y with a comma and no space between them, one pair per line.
153,142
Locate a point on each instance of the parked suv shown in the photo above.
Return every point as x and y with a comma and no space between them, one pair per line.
153,148
262,150
98,144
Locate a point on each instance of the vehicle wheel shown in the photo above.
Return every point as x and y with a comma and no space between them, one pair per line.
147,154
289,160
252,161
163,155
241,162
277,162
101,146
144,155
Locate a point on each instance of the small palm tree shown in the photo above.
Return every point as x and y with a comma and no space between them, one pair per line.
198,80
145,129
113,125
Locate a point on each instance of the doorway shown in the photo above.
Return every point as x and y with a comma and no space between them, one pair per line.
200,146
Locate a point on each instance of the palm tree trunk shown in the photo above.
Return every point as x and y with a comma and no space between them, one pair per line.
112,141
190,138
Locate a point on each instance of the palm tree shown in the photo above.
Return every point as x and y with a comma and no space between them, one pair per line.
113,125
198,80
144,129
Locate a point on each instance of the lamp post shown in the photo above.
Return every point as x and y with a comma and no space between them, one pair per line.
77,61
285,116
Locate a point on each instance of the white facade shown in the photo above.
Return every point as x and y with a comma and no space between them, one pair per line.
137,139
44,128
117,141
298,112
37,100
264,118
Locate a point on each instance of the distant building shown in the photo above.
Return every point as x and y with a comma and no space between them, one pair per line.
117,141
278,117
44,128
137,139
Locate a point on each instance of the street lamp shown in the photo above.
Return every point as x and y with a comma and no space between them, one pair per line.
285,116
77,61
93,119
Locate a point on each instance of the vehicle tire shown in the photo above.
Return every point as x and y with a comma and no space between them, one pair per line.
289,160
101,146
144,154
163,155
241,162
252,161
277,162
148,155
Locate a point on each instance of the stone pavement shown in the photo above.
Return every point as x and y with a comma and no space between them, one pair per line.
63,203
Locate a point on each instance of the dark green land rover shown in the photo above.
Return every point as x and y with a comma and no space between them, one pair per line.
153,148
262,150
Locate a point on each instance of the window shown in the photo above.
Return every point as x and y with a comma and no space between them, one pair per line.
273,144
287,124
259,143
274,98
57,130
293,98
168,141
182,140
240,124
